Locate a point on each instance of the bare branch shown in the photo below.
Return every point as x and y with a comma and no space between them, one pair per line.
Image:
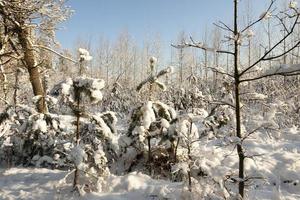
5,62
251,132
223,103
200,45
282,23
224,27
261,18
5,101
254,155
13,46
272,48
55,52
279,73
220,72
280,55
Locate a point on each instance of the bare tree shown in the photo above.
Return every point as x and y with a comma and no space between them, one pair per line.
123,57
181,57
242,74
104,58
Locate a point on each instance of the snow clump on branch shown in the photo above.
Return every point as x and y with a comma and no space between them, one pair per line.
170,69
293,4
250,33
266,15
78,156
89,86
84,55
153,60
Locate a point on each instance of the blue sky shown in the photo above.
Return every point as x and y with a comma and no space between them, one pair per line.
143,18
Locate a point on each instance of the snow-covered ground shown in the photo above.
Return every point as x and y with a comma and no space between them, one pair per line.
276,170
46,184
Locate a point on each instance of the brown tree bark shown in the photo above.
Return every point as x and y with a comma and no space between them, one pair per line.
24,35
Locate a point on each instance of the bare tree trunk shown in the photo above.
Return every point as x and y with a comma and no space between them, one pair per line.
45,85
189,146
249,59
227,59
237,103
149,154
17,74
181,66
81,68
206,65
176,147
31,65
78,114
269,40
284,56
189,172
107,73
216,65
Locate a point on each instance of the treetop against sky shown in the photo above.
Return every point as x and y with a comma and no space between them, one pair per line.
145,18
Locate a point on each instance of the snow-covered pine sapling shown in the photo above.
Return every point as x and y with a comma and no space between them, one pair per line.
6,145
187,133
33,136
77,91
84,56
147,127
152,79
191,133
153,62
147,109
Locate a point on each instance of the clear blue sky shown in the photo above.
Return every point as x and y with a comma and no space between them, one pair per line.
142,18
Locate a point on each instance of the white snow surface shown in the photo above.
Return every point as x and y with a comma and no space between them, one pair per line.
46,184
277,168
274,161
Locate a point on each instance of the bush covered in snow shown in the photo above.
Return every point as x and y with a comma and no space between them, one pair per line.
49,140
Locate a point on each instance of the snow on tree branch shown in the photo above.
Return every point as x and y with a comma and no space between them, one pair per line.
153,78
199,45
84,54
282,70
